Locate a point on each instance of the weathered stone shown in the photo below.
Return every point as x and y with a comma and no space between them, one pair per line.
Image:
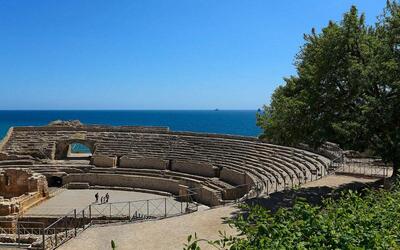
155,158
20,189
143,163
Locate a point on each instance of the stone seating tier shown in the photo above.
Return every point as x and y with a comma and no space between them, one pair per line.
160,153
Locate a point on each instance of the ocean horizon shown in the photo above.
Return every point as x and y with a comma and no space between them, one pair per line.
235,122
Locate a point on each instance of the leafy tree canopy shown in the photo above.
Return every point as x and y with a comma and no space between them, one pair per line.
346,89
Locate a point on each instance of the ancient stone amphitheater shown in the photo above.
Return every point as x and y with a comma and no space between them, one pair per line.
221,168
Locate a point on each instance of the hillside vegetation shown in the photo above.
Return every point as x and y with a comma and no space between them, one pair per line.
354,221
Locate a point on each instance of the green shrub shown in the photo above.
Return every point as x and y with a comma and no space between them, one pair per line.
354,221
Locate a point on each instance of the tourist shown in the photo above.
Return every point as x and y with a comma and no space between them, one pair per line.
97,197
107,197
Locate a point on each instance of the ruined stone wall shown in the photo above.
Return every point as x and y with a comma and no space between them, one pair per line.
16,182
20,189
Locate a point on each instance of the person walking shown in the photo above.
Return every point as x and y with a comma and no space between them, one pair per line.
107,197
97,197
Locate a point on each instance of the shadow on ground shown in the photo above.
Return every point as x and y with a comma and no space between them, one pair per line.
313,195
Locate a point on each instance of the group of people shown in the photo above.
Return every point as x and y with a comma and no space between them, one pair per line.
104,199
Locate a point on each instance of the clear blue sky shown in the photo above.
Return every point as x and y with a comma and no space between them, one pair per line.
148,54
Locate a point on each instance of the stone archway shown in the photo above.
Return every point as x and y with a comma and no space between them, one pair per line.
64,149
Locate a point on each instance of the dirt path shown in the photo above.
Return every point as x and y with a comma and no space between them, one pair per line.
169,233
334,181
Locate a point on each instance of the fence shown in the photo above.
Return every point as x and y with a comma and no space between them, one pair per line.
22,234
367,166
71,224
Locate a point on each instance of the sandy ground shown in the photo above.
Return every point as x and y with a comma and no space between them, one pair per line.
68,200
172,233
337,180
168,233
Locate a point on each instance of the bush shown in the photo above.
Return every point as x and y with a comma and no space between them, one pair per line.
354,221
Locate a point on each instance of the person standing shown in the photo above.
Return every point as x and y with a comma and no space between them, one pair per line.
107,197
97,197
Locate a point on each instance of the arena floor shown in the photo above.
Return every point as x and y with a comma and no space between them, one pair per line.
67,200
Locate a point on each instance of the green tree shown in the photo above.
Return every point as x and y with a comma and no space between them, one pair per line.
346,89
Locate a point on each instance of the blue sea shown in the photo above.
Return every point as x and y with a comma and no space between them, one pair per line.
236,122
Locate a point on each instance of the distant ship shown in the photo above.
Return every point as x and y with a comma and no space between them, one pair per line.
216,109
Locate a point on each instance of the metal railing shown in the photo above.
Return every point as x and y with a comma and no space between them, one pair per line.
76,221
23,234
367,167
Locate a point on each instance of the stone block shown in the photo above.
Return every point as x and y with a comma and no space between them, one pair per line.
233,177
208,196
196,168
144,163
104,161
234,193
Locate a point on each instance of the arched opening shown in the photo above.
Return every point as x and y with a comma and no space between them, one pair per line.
54,181
74,150
78,150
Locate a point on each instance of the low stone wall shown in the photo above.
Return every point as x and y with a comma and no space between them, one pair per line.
15,182
147,163
20,204
232,176
116,180
31,201
234,193
202,169
104,161
78,185
208,196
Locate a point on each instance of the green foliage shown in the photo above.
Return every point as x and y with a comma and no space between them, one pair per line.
347,88
354,221
113,246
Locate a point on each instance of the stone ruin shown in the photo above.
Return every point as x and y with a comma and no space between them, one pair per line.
211,169
214,168
20,189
